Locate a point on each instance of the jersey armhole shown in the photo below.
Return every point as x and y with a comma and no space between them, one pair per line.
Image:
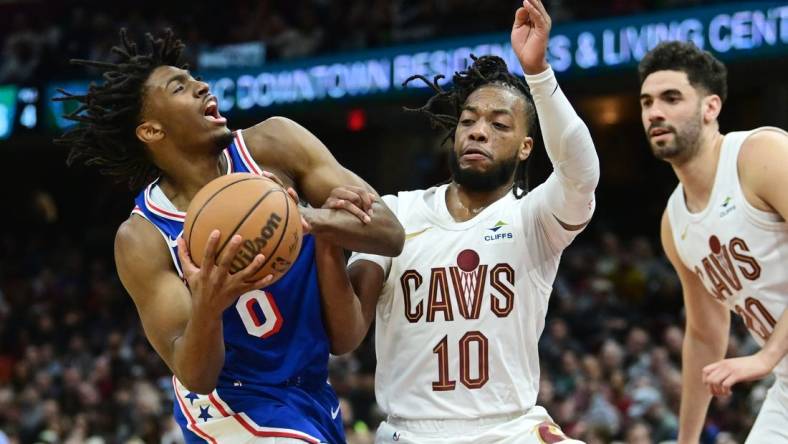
674,234
764,219
526,230
166,238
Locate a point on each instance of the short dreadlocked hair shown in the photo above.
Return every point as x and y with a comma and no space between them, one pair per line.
702,68
109,113
444,108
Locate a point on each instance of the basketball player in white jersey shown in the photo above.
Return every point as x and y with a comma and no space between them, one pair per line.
460,311
724,230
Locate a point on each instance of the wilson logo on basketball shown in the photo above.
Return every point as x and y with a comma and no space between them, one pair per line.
463,286
251,248
255,208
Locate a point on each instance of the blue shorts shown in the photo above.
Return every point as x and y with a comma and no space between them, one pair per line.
241,414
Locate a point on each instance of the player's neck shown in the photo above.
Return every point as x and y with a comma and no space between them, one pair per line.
184,181
465,204
698,173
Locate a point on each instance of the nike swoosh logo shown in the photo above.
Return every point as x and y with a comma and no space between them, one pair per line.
334,413
409,236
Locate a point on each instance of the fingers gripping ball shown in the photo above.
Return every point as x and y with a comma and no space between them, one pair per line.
257,209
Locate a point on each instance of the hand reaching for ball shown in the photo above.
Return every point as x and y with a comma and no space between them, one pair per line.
212,285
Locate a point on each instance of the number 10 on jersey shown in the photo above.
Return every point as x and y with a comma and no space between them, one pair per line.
470,339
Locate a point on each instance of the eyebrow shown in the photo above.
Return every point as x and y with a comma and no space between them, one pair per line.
176,78
667,92
496,111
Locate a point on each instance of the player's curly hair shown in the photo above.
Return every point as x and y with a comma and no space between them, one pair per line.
702,68
444,108
109,113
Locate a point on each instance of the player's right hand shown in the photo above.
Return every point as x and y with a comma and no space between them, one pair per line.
530,36
213,287
355,200
720,376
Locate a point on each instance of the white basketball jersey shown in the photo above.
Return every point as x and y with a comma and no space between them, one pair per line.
463,306
739,252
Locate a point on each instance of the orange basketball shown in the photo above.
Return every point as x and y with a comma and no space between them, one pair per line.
254,207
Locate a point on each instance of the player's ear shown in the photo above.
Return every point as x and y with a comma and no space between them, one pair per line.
712,105
150,131
525,148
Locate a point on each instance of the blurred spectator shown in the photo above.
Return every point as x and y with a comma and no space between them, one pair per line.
638,433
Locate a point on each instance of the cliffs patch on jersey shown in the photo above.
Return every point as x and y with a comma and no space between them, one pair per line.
500,233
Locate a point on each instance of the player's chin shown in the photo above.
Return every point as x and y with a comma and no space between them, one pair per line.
663,150
475,165
215,129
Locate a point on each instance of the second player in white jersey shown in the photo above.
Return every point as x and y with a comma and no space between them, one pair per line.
737,251
724,231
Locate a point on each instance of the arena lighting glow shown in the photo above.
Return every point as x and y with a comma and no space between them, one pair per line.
753,29
356,120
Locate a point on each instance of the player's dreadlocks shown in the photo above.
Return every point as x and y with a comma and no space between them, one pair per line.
485,70
109,113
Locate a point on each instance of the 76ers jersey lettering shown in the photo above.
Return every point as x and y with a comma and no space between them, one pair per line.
463,307
737,251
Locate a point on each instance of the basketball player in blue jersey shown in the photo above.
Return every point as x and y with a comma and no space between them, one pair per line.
249,360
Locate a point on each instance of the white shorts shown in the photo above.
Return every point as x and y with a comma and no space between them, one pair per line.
533,427
771,425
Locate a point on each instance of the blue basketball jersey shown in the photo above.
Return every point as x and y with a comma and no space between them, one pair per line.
274,379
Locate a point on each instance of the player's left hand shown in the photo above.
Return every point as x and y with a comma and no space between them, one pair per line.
722,375
353,199
530,35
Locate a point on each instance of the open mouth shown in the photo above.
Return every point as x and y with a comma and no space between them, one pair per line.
211,113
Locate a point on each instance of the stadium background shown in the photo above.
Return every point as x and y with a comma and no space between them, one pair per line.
74,365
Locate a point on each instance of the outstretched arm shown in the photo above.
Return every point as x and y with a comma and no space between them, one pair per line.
288,146
348,301
567,140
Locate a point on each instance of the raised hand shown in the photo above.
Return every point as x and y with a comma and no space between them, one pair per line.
530,35
212,285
